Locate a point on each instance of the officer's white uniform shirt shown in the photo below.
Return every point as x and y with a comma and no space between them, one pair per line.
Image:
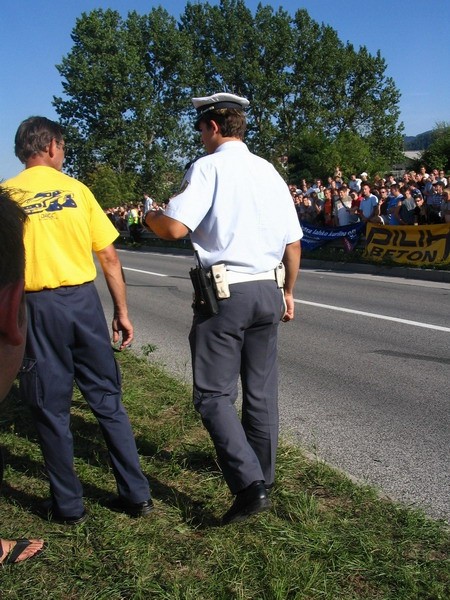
238,209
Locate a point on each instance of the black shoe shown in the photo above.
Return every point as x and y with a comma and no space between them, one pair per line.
269,487
49,512
138,509
248,502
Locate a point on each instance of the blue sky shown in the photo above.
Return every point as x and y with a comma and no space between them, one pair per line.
413,37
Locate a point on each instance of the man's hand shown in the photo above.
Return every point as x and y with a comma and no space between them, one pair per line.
123,325
115,280
289,314
291,261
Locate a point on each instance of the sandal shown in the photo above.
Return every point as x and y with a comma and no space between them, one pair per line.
17,550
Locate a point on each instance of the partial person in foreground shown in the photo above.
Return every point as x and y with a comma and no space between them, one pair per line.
244,228
67,335
13,324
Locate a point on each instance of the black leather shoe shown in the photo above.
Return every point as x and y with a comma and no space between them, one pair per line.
138,509
248,502
49,512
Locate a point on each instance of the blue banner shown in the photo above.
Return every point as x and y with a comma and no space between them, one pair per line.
315,236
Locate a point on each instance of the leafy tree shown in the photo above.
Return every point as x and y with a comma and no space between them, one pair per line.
246,55
437,155
112,188
299,77
308,159
123,82
341,92
128,82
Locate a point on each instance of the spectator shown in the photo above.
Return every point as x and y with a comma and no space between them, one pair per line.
420,183
405,211
423,172
134,225
394,201
342,207
321,191
111,214
390,180
307,212
339,182
148,203
355,183
315,187
382,202
318,205
434,202
354,209
13,323
67,334
333,187
298,203
121,221
338,172
364,178
328,213
304,188
412,185
368,209
428,188
421,209
377,183
446,206
407,178
443,178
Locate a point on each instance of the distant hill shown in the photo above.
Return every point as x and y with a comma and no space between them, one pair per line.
417,142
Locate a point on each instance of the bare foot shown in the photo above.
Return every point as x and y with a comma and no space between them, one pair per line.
15,551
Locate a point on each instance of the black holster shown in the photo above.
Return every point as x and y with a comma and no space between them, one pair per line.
205,301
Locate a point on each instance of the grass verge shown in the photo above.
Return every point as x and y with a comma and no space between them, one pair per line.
325,538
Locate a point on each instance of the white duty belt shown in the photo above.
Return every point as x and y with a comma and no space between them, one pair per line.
236,277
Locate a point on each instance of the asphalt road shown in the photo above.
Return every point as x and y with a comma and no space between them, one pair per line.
363,368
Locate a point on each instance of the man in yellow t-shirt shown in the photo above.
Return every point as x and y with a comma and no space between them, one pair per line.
67,335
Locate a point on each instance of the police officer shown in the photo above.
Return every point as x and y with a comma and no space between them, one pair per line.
239,212
67,334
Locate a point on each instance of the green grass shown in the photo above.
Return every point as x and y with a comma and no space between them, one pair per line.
325,538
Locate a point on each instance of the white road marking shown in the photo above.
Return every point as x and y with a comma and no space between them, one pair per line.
374,316
330,307
375,278
145,272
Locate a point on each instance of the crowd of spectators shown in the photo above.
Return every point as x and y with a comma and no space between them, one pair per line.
129,218
413,199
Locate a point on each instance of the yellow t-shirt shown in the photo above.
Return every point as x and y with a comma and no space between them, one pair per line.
65,224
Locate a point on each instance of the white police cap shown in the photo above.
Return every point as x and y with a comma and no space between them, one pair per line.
216,101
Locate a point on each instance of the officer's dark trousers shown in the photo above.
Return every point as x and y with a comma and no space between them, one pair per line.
68,339
241,339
